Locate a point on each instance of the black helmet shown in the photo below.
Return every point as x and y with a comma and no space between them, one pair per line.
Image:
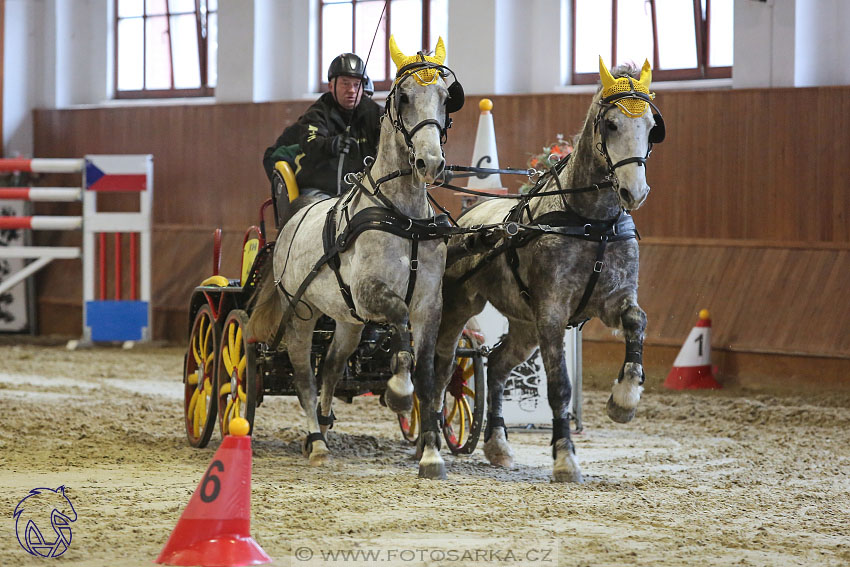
368,86
346,64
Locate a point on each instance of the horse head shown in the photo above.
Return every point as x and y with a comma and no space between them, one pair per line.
626,126
419,105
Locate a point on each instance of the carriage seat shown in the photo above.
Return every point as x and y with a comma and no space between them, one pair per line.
283,184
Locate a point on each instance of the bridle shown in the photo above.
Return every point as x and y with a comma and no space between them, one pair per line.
394,101
656,134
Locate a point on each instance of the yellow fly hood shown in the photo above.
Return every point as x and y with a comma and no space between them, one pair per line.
424,76
631,107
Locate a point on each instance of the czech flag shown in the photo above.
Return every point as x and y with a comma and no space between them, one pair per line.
116,173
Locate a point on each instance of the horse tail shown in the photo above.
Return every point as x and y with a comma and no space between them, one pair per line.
266,309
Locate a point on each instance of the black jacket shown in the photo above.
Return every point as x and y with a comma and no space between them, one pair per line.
316,164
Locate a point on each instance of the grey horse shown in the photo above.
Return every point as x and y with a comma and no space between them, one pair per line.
540,281
389,277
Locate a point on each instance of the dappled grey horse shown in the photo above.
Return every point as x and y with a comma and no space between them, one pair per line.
575,257
383,261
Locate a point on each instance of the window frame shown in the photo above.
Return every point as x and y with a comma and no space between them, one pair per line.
386,22
203,50
702,29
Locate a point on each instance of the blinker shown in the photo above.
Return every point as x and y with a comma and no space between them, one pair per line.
456,97
659,131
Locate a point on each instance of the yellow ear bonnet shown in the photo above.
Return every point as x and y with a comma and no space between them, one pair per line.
423,76
631,107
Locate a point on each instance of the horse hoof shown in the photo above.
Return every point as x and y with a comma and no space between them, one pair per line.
399,404
320,455
319,459
568,475
433,471
497,451
619,414
504,461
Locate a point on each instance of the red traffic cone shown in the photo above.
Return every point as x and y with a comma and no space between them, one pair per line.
692,367
215,528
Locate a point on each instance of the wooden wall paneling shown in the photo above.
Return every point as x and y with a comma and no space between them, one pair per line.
762,298
748,195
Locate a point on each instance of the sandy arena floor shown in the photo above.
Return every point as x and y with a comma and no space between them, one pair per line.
706,478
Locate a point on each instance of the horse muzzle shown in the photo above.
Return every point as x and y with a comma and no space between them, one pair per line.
631,199
429,167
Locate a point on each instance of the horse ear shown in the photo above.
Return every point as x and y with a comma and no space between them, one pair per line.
605,75
440,51
645,74
396,54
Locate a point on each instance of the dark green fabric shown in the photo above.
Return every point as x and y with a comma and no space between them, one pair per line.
287,154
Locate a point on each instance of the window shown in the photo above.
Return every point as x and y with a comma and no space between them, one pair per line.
683,39
165,48
349,25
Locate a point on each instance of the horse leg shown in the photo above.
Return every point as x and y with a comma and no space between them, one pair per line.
299,343
375,297
514,348
628,387
551,333
425,322
345,341
457,309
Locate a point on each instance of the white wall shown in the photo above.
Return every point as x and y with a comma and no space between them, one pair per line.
235,51
58,53
472,48
791,43
822,45
23,56
261,55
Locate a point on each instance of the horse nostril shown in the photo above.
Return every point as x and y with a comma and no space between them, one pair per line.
420,164
624,195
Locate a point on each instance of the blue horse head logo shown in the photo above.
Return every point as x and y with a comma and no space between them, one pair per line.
45,504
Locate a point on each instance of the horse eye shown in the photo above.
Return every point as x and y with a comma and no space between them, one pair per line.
403,98
611,126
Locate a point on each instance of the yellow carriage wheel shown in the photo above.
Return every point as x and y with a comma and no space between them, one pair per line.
463,406
199,376
409,423
237,373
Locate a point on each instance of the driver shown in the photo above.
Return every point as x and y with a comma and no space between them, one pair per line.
342,125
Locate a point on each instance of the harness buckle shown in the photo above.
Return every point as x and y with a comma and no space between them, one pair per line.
414,265
598,266
587,229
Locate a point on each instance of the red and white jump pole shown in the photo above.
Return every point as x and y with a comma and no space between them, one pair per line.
103,320
43,165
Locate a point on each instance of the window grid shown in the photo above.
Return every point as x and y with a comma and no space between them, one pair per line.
201,18
386,23
702,28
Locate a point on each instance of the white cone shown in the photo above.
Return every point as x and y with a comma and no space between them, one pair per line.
485,154
692,367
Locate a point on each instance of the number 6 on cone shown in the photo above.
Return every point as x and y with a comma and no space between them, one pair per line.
215,528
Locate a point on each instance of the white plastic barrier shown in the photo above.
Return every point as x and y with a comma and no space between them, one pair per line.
118,319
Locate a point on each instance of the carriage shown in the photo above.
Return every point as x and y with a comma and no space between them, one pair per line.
227,375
